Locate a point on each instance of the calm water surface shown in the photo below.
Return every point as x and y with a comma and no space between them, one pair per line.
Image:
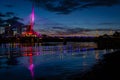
48,61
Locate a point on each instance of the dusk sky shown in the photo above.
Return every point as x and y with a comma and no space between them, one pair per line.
66,16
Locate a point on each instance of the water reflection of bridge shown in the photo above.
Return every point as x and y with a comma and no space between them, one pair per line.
19,50
35,54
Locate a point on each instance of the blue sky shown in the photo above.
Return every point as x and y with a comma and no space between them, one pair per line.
100,15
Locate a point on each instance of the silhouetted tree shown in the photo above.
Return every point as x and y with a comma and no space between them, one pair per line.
116,34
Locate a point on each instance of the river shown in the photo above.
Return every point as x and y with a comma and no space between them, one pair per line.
47,61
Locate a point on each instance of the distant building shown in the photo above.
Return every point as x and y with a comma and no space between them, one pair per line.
2,30
8,31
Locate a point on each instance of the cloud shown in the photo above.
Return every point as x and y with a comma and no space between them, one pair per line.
9,18
1,21
8,14
68,6
66,30
76,30
94,3
14,21
109,23
17,18
2,15
58,28
9,5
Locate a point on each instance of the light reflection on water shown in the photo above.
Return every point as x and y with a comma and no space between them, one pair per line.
36,61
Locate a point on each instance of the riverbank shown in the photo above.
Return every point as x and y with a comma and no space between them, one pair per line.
107,69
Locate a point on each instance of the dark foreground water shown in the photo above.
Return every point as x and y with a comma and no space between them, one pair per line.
48,61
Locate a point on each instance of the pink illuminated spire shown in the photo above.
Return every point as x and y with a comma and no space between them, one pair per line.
32,17
29,31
